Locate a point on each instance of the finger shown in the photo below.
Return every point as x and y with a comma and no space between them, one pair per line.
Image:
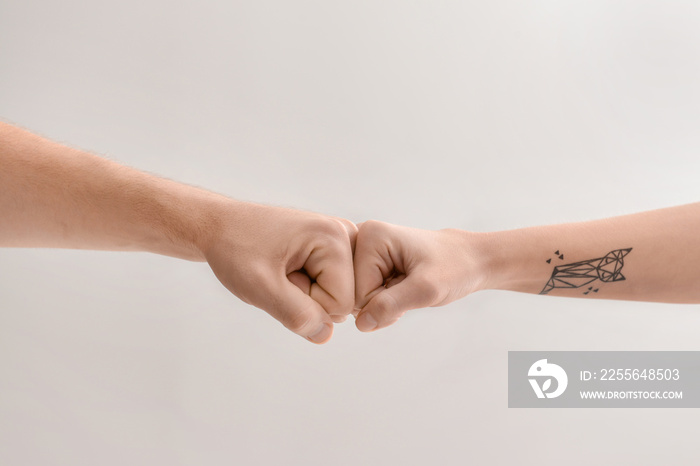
388,305
352,231
300,280
303,282
393,281
298,311
389,281
373,263
330,265
328,302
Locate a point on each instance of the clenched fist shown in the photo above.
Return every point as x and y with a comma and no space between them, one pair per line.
399,268
295,265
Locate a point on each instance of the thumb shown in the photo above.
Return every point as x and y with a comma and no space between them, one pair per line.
300,313
385,307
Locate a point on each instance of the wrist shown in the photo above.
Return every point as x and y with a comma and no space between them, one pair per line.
476,252
504,262
206,221
184,220
484,253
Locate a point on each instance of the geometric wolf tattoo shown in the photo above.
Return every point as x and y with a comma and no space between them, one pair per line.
606,269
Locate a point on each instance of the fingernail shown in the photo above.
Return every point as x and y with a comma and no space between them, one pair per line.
323,333
338,319
366,322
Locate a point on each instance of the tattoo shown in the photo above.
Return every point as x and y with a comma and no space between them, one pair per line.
577,274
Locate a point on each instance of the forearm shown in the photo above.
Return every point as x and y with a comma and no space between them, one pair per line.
55,196
295,265
648,256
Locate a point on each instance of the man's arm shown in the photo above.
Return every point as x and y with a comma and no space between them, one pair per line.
295,265
648,256
59,197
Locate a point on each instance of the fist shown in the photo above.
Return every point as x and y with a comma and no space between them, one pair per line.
296,265
400,268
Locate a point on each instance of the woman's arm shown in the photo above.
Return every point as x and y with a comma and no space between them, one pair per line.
648,256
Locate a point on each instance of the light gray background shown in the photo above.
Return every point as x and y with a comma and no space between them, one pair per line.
477,115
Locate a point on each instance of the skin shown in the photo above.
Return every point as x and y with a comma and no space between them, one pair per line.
398,268
309,270
295,265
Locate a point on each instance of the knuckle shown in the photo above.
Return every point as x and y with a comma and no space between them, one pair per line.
332,230
297,322
349,226
386,305
372,226
369,230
